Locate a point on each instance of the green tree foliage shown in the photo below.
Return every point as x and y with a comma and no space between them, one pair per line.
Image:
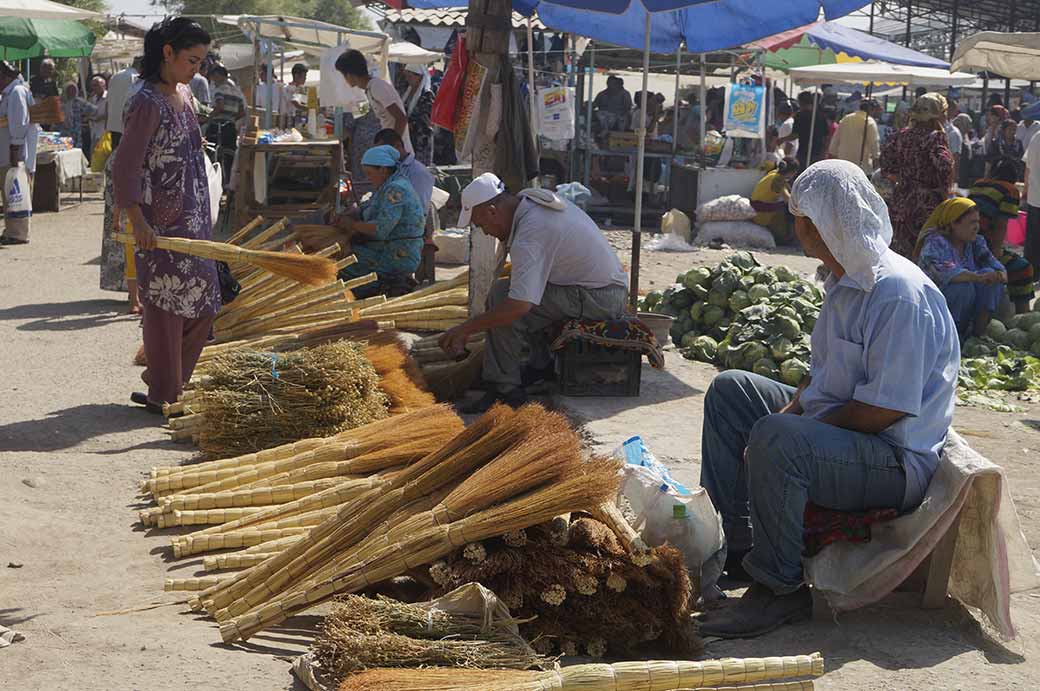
339,12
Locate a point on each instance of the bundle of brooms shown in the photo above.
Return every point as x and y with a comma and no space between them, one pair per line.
244,400
362,633
288,487
580,591
509,470
654,675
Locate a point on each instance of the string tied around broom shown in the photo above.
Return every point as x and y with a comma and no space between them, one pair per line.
274,365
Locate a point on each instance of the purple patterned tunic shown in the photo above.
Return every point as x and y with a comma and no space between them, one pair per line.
160,166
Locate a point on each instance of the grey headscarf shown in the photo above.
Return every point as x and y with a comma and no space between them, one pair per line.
849,213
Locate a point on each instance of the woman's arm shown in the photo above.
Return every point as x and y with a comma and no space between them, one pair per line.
140,125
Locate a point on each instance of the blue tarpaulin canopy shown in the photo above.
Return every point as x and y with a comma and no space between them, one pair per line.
842,39
703,25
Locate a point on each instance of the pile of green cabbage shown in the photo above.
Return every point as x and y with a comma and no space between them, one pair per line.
741,315
1007,358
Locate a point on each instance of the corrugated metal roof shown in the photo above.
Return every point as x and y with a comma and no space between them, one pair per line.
448,18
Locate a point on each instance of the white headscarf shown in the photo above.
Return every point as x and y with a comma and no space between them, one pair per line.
849,213
413,95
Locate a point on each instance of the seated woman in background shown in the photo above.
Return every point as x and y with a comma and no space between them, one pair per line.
388,238
770,201
997,200
956,257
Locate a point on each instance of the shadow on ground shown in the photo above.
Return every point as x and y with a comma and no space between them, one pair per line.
913,638
66,316
64,429
657,386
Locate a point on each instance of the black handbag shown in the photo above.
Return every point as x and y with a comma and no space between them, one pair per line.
229,287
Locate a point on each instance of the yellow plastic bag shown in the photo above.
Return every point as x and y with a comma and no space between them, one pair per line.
101,152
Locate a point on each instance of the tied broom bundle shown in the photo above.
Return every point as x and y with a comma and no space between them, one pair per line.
652,675
477,445
492,433
598,481
361,633
303,268
254,400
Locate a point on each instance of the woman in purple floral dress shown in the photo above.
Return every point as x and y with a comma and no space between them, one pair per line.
160,181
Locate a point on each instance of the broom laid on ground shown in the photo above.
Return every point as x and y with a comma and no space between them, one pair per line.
302,268
580,492
488,436
653,675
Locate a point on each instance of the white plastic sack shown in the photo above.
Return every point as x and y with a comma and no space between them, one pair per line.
439,198
675,222
556,113
574,192
18,210
452,245
732,207
666,511
669,242
215,178
736,234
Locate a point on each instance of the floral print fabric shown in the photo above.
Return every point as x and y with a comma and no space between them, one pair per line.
922,164
160,166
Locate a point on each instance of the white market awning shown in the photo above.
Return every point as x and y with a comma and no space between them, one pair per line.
43,9
879,73
408,53
1016,56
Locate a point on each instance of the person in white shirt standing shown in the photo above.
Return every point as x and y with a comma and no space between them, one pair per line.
386,103
1026,129
563,268
17,142
1032,196
119,92
784,128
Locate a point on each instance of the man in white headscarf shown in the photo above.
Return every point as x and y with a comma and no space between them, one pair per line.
865,428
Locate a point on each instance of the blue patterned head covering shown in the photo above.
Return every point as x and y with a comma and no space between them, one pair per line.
383,155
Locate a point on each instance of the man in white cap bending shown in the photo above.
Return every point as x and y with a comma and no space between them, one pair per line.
563,268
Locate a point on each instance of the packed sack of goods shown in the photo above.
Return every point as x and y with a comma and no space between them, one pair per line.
741,315
246,400
579,591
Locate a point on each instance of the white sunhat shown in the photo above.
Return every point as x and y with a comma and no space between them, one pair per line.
483,189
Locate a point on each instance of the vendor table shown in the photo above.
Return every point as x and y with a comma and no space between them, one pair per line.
297,180
53,168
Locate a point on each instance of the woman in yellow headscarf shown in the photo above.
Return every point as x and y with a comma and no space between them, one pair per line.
770,201
954,255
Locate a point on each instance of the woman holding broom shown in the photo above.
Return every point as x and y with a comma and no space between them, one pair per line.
160,182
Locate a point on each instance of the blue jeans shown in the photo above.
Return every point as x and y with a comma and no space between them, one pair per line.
966,300
790,461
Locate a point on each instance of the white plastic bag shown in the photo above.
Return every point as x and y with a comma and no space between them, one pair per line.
736,234
556,113
666,511
215,178
675,222
18,207
732,207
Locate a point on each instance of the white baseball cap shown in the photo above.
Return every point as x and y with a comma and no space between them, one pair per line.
483,189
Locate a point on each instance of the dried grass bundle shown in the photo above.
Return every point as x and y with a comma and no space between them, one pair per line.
303,268
652,675
254,400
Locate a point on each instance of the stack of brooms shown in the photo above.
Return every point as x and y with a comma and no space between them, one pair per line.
244,400
509,470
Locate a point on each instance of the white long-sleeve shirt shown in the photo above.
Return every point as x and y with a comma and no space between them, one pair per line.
119,91
14,105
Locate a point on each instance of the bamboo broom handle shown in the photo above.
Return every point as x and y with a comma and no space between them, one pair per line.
221,562
610,515
361,280
266,496
666,675
460,280
207,249
294,304
269,232
233,313
192,584
244,538
265,456
245,230
176,518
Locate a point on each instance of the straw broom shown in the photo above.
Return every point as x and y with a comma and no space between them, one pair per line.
176,518
485,438
301,268
580,492
261,496
653,675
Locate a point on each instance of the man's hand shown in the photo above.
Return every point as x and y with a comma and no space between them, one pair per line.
453,341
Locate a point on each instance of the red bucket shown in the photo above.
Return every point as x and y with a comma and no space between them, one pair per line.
1016,230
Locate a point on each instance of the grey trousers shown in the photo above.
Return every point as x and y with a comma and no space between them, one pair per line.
505,345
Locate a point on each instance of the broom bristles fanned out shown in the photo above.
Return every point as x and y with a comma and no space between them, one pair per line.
302,268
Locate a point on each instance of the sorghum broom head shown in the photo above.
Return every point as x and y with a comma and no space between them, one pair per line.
302,268
651,675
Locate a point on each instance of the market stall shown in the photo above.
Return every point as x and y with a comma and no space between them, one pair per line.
1011,55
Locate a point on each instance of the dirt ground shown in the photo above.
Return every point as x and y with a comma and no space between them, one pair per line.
72,452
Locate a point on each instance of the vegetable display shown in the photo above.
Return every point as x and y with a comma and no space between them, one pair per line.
741,315
1005,360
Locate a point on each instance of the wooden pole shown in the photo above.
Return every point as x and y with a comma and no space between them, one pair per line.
637,227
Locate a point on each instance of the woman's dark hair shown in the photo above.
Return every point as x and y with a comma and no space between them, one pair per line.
388,136
179,33
788,165
1005,170
352,62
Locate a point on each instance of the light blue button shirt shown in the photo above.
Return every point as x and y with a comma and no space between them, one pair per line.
894,347
421,179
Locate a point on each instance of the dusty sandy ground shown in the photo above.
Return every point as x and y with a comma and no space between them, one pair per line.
72,453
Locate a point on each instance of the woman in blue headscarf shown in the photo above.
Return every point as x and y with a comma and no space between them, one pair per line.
388,238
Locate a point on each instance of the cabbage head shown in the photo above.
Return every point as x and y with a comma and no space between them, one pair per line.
753,352
745,261
746,282
763,276
738,300
1034,331
688,338
699,292
1026,321
793,371
696,310
757,293
766,368
995,329
703,348
784,275
682,299
1035,348
726,283
700,276
712,315
974,347
785,326
718,299
780,348
652,299
1016,338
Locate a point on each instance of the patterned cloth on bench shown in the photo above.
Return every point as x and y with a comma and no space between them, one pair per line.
627,333
826,526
